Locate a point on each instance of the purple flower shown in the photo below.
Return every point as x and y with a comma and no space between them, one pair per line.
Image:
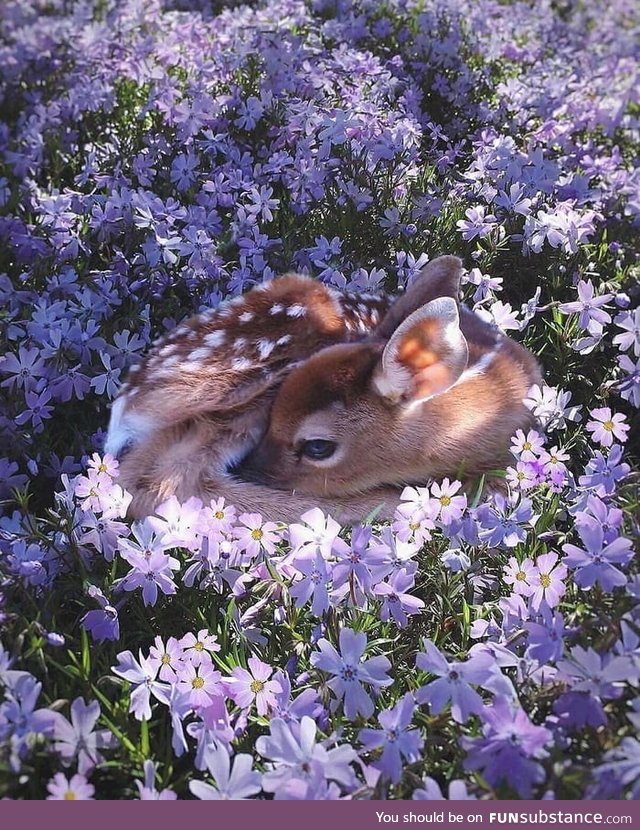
247,687
546,582
629,322
477,224
545,640
510,749
454,682
623,762
603,474
314,582
200,684
148,791
595,562
142,678
167,659
430,791
24,369
605,426
197,648
396,739
296,759
229,783
102,625
77,788
20,721
288,709
588,305
519,576
77,739
317,534
397,603
37,410
350,672
108,382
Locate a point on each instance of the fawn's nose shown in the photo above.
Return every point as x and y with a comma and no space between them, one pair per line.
258,466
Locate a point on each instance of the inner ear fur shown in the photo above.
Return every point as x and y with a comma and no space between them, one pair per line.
425,355
439,278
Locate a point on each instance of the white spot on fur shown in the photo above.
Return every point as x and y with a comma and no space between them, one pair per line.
241,364
282,341
276,308
215,338
199,354
265,347
296,310
170,348
246,317
239,343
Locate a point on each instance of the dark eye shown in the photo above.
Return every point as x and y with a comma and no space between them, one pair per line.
318,449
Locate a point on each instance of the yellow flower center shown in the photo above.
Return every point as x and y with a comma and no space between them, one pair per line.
199,646
256,534
69,796
545,580
445,501
197,683
521,576
256,686
520,475
218,515
526,445
608,425
102,468
414,525
166,659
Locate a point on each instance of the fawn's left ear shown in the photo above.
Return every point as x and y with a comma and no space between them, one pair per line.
425,355
439,278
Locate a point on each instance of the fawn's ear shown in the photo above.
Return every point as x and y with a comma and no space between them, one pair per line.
425,355
439,278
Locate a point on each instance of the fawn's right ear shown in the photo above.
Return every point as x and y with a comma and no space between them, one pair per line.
439,278
425,356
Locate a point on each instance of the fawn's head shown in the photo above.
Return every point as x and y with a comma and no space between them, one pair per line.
433,386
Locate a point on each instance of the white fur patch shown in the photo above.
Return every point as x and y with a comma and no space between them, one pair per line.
241,364
125,427
246,317
199,354
170,348
265,347
215,338
296,310
276,308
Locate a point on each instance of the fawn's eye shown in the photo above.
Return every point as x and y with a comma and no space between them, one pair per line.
318,449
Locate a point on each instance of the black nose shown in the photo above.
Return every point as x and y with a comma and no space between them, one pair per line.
247,470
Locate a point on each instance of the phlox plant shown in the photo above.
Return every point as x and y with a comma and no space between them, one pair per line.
158,157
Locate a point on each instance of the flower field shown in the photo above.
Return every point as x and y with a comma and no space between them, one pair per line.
160,156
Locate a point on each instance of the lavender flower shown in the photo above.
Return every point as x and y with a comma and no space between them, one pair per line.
230,783
77,788
350,672
396,739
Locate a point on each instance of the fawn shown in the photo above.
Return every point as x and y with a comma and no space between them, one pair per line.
329,400
200,400
433,392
